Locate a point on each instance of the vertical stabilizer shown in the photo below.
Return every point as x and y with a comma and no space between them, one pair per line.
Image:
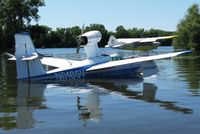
112,42
27,60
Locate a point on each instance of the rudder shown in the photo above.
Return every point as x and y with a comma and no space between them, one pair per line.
27,60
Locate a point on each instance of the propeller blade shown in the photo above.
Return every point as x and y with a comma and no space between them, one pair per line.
79,40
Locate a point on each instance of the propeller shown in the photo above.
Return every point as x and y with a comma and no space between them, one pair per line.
79,40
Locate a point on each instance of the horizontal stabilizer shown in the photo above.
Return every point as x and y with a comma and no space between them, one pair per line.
30,57
12,57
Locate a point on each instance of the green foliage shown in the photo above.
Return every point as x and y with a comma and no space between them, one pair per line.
63,37
188,30
1,39
121,32
15,16
39,35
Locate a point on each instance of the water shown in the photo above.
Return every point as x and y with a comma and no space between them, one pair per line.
167,102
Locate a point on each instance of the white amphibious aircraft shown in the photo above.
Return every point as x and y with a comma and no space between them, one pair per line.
30,64
136,43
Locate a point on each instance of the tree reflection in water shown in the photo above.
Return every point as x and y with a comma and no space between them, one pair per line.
188,68
29,97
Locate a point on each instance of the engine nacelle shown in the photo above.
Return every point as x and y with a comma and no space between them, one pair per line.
90,37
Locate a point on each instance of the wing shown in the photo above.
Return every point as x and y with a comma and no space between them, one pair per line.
132,43
135,60
129,40
142,40
153,39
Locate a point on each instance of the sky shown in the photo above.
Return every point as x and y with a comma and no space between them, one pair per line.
157,14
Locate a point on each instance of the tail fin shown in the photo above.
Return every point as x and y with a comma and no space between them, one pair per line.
27,60
112,42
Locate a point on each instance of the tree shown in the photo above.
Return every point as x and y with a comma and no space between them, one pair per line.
70,36
121,32
135,32
188,30
54,40
16,15
39,35
1,39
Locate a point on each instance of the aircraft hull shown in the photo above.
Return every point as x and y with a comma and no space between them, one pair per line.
125,71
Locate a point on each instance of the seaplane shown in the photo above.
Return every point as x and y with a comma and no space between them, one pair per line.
144,44
30,64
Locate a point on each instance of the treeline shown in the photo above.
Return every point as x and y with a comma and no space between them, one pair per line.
45,37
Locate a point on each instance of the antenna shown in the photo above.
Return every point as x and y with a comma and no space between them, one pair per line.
27,63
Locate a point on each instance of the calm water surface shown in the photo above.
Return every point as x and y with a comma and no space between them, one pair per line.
167,102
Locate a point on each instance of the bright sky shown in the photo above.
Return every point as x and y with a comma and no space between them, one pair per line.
158,14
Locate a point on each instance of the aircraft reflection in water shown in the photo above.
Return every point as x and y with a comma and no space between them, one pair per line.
90,110
31,95
29,98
